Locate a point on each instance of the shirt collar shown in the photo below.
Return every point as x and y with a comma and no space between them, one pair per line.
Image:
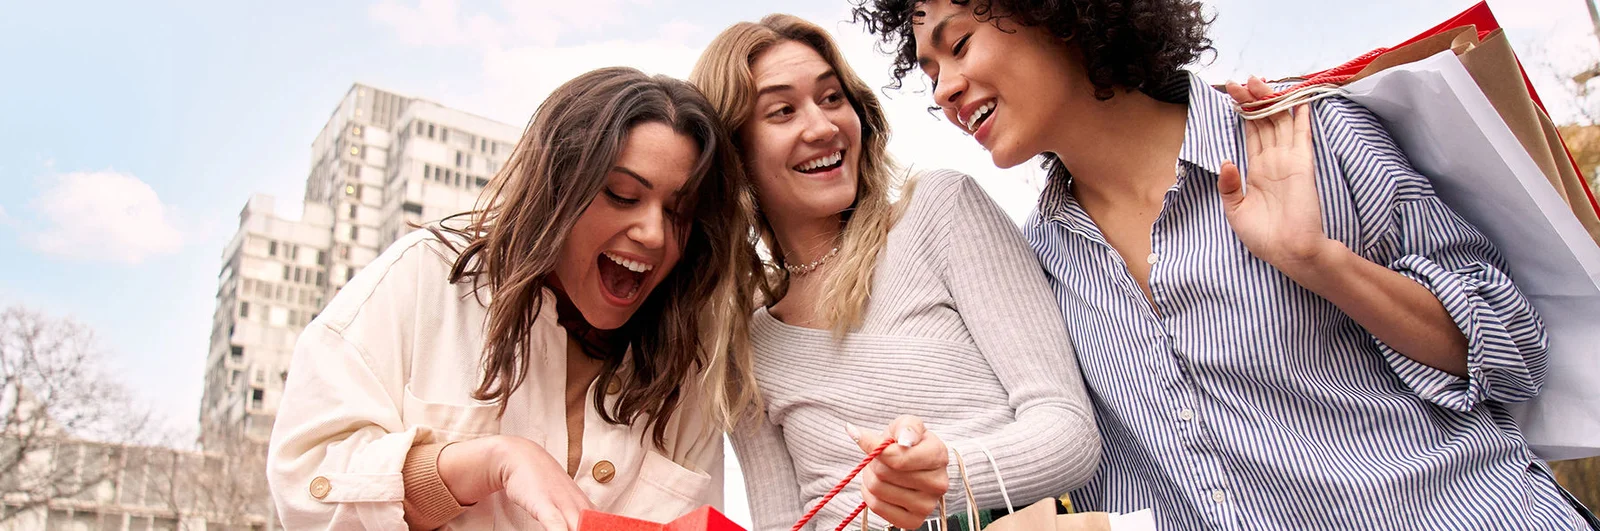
1212,134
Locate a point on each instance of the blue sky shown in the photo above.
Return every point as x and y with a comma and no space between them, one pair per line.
134,133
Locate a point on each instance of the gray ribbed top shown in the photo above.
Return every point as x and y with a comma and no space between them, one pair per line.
960,330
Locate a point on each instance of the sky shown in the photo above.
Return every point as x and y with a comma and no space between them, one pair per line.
135,132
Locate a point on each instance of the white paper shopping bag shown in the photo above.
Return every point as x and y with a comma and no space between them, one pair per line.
1452,134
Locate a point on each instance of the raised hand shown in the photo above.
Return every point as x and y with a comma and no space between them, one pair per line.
1275,210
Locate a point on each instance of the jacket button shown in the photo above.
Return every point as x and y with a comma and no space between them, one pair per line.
320,487
604,471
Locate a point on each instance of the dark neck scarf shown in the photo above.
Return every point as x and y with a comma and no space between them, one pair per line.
595,343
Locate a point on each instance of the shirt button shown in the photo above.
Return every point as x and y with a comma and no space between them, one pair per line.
1186,414
604,471
1219,496
320,487
1152,259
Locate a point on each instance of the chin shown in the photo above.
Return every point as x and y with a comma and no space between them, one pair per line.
1007,159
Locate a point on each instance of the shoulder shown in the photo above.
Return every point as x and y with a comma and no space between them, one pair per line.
412,271
944,194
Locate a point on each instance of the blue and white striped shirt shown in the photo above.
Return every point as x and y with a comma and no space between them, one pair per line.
1244,401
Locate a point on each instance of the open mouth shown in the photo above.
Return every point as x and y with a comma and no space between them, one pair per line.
978,116
821,164
620,277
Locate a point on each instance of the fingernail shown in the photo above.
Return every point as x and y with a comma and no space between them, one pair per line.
855,433
906,437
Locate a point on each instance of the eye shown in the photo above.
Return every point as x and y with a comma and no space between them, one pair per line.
961,45
781,112
832,98
625,201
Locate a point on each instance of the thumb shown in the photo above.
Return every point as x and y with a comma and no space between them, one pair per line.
1230,183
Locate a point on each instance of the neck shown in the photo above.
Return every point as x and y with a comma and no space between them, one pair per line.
804,241
1124,147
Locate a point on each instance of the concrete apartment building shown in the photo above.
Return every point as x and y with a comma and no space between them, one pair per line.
381,164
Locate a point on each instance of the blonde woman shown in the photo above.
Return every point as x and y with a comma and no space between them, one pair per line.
929,321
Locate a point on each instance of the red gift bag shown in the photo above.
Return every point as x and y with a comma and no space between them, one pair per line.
702,519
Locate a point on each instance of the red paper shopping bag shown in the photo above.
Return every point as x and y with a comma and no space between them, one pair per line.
702,519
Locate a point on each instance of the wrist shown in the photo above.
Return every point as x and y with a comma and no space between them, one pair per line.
1322,263
473,470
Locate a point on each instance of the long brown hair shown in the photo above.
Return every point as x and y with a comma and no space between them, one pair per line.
723,74
515,235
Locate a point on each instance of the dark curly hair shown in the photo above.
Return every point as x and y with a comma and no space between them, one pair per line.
1132,44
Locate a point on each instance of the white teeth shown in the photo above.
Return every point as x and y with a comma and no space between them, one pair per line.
637,267
972,121
822,162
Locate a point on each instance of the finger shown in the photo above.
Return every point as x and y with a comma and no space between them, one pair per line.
867,440
929,454
1258,88
1230,183
1276,134
896,515
1252,137
1240,94
572,508
551,518
1302,126
935,481
907,429
914,499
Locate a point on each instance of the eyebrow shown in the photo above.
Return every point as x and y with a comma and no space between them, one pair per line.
938,37
781,88
635,175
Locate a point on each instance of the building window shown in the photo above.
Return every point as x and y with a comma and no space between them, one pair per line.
483,145
256,396
458,159
322,258
286,273
430,130
297,275
482,182
237,352
352,211
272,248
294,252
354,230
444,134
244,309
412,208
344,252
420,130
458,179
427,170
321,280
349,274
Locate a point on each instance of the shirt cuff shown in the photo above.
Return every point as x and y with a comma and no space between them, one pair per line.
428,503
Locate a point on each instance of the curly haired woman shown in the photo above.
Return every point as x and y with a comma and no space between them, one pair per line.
1322,345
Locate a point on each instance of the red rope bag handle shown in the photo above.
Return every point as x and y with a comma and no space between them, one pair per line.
840,488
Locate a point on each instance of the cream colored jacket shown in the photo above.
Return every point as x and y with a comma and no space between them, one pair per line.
392,361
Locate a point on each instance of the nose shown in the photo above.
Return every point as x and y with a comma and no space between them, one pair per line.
818,126
650,230
951,85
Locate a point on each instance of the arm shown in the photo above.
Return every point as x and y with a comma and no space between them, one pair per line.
1431,290
1052,446
338,433
769,477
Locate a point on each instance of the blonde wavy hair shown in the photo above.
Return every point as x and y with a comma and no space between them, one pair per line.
723,74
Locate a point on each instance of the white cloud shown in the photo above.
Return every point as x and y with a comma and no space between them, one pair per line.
102,216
